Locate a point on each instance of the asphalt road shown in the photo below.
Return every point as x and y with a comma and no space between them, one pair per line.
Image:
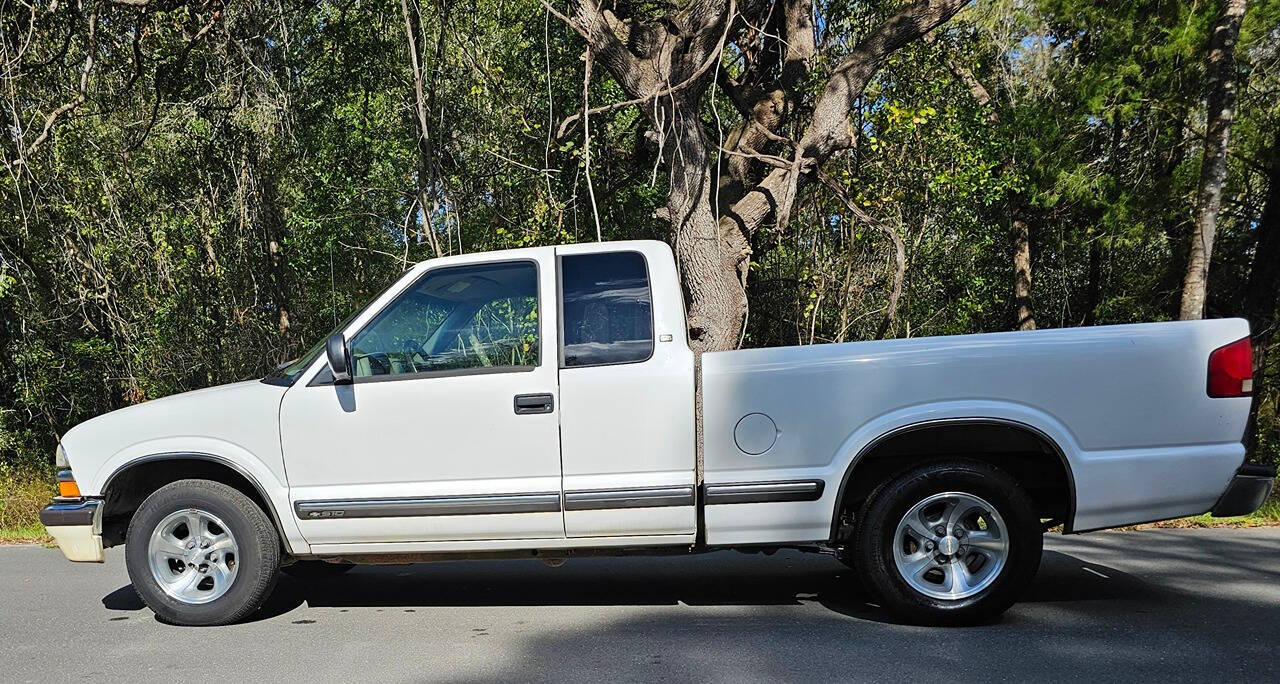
1180,605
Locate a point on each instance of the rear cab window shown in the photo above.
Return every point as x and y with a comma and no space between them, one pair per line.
607,309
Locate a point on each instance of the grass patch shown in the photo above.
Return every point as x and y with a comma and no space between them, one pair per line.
1267,516
21,498
25,534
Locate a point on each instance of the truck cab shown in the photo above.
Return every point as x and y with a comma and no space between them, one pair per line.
547,395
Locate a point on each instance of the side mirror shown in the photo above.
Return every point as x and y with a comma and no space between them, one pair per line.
335,350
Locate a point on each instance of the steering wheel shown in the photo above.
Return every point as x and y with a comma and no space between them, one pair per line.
381,363
411,348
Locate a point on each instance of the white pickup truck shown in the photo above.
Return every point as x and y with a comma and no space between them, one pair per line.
540,403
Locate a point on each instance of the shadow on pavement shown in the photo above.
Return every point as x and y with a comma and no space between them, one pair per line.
716,579
1191,607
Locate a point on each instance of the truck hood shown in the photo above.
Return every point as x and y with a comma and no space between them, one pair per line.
234,422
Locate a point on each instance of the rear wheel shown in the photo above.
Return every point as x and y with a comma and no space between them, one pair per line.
201,553
949,543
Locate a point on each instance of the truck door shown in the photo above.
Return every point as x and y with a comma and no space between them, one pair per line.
449,429
626,392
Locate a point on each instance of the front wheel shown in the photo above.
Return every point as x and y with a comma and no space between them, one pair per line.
949,543
201,553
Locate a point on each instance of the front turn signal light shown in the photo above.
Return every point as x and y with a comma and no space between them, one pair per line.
67,487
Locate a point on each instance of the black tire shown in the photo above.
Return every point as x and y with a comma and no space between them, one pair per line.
887,506
315,569
257,560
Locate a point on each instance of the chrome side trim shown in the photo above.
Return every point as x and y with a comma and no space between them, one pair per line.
764,492
647,497
410,507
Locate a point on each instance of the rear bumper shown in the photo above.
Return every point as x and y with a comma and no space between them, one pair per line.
1246,492
77,528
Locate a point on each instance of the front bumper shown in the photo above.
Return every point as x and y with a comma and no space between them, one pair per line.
1248,489
77,528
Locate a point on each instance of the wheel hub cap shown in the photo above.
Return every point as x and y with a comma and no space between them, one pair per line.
193,556
948,545
951,545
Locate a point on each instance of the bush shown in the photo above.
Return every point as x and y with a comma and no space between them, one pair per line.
22,494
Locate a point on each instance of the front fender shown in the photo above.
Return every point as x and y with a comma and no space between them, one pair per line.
232,455
229,453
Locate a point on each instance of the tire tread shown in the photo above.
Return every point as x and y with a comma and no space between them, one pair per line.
261,533
881,577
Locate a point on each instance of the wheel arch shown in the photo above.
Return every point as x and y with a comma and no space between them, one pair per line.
880,450
130,483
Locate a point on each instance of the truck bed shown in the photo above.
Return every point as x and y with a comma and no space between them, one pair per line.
1120,403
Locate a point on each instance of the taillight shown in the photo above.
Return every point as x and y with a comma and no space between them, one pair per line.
1231,370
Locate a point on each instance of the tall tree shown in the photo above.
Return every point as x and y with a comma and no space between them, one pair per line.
1024,313
1263,288
1022,301
664,62
1262,292
1220,69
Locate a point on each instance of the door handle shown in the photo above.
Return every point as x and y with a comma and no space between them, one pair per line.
533,403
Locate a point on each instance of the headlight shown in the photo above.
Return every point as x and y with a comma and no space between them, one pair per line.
61,458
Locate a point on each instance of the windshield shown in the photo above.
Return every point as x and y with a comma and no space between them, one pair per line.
286,374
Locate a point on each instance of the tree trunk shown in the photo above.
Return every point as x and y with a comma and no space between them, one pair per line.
426,155
1213,170
1021,231
273,222
1264,279
766,106
1172,219
1022,274
1093,295
667,63
1262,293
711,265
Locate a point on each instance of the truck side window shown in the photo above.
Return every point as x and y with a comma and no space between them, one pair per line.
455,318
608,309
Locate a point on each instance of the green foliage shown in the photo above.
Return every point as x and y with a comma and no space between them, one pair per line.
221,196
23,492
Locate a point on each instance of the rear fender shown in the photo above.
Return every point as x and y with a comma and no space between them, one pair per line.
864,440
